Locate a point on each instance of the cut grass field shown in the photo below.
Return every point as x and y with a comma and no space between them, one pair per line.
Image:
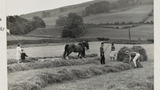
51,63
134,79
42,77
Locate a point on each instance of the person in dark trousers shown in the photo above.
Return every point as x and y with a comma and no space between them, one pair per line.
102,54
23,56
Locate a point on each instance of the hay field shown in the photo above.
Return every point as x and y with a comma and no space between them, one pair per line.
142,32
50,30
135,79
42,77
58,49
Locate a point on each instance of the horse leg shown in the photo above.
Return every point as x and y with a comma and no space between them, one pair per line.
79,55
68,54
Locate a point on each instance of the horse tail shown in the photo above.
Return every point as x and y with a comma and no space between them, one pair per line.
65,51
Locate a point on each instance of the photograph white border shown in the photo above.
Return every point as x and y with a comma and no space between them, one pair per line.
3,49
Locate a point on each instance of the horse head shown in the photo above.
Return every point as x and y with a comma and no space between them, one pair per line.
85,44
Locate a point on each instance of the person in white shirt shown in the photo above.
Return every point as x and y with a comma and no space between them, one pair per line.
134,55
18,53
113,54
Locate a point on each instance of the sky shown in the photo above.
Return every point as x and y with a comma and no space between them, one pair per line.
18,7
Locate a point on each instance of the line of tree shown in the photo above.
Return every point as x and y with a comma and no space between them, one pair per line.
19,26
105,6
46,14
73,25
96,8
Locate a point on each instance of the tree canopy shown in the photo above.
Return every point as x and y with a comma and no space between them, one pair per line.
74,26
19,26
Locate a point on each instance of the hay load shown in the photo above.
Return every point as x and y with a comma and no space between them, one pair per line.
142,52
121,56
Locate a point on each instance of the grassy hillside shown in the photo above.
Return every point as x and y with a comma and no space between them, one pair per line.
135,14
49,31
72,8
142,32
129,14
77,9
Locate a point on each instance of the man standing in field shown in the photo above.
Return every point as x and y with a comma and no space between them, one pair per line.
102,54
18,53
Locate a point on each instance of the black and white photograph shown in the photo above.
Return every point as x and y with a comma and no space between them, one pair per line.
80,44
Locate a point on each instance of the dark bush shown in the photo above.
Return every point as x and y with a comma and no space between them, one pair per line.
74,26
19,26
150,40
102,39
38,22
98,7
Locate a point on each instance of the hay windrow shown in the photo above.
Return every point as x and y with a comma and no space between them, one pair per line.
50,64
44,78
35,59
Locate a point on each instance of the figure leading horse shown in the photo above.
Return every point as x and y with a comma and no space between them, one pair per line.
77,48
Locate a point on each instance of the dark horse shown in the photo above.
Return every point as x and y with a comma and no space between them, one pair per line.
77,48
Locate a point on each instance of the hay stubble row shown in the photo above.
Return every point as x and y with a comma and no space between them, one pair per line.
40,78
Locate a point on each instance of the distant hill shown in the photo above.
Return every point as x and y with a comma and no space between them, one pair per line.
132,14
67,9
127,14
78,8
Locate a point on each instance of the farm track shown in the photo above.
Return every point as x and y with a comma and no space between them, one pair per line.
39,78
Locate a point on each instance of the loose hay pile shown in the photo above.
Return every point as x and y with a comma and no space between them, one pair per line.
121,56
142,52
